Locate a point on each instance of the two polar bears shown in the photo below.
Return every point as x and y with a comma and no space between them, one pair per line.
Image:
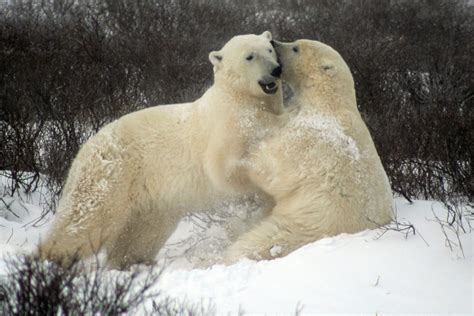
130,184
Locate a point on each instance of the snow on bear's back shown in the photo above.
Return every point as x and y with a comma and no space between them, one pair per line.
311,147
326,129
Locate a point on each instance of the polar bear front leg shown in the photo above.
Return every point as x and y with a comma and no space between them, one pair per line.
271,238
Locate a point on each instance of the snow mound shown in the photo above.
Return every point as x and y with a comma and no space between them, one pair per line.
361,273
378,271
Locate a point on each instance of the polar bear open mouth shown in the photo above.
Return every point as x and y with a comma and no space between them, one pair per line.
268,86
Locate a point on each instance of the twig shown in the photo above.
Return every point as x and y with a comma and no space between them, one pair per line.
8,207
377,281
11,235
445,226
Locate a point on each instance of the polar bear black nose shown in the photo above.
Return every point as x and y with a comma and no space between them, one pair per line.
276,72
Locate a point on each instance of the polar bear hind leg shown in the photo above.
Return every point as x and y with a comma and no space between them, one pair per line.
141,238
93,208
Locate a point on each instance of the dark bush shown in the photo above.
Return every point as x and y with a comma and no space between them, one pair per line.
39,288
34,287
67,67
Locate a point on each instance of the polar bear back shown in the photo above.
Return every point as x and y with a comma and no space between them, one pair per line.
333,169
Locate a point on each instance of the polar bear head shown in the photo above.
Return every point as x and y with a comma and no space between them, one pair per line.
247,64
311,66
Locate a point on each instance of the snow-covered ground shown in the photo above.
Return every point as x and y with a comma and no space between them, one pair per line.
358,273
372,272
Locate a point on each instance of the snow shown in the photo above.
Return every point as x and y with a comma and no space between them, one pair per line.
21,218
358,273
372,272
327,129
276,250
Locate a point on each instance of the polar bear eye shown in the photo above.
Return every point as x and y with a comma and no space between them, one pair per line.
270,50
249,57
296,49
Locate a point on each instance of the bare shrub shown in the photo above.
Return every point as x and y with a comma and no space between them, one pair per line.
33,287
69,67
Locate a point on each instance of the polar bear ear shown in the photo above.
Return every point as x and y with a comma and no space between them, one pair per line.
215,57
329,68
267,35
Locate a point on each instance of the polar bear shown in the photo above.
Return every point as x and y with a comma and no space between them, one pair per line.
322,169
132,182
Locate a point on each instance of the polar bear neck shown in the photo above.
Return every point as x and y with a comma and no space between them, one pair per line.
325,97
231,98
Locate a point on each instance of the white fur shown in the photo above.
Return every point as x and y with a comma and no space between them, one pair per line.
131,183
322,169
